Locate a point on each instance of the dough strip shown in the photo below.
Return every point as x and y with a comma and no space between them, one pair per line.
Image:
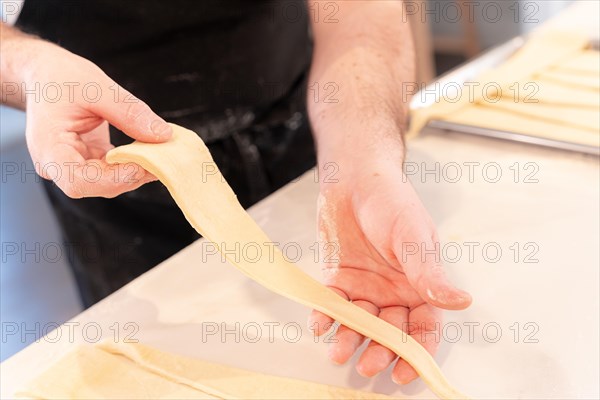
184,165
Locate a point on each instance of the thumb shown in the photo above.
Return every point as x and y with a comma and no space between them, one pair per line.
131,115
422,266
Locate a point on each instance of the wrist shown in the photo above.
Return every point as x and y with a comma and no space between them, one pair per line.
348,135
22,55
355,166
19,51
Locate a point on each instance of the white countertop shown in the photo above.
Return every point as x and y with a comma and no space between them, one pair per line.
185,304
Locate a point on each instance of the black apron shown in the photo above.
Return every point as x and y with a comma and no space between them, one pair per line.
234,71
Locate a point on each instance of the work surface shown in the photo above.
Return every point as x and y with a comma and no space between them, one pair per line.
532,331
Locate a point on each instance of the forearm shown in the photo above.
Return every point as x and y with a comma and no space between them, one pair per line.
368,55
18,51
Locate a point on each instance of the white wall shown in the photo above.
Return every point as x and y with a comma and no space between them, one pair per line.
496,20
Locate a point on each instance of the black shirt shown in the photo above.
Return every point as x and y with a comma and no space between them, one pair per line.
231,70
211,65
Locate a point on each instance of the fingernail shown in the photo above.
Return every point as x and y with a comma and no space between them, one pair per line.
360,371
460,298
398,381
161,129
431,295
312,324
332,352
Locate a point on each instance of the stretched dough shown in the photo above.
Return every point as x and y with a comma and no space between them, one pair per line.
186,168
134,371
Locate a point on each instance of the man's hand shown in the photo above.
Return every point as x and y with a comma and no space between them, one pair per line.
372,215
383,239
69,103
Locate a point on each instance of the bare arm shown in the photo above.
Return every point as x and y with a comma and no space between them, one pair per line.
368,210
367,54
17,50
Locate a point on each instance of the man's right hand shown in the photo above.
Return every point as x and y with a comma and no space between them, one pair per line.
69,103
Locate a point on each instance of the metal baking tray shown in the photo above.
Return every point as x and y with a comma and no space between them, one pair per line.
469,71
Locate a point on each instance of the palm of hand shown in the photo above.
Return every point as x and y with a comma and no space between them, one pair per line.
370,227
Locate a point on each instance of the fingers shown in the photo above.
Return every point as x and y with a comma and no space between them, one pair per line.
420,260
78,177
423,323
320,323
376,357
348,341
425,328
76,164
130,114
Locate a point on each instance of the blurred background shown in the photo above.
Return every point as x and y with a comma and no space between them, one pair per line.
36,286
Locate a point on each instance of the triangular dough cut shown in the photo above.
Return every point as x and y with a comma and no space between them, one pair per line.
134,371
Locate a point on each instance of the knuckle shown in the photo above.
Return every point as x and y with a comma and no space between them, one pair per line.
40,169
135,110
46,167
72,188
